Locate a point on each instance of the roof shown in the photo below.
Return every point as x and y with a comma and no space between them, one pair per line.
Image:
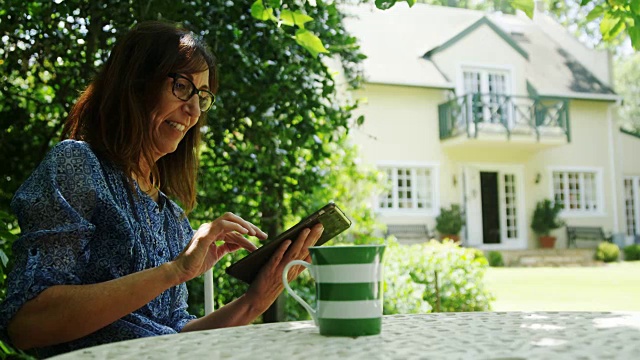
483,21
400,42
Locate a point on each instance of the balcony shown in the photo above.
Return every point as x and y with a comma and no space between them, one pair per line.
497,120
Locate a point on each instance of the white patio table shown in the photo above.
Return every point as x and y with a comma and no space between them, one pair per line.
479,335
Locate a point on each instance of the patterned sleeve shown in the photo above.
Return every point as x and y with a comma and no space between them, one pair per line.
54,208
181,316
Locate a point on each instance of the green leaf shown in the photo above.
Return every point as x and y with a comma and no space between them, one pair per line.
274,3
291,18
611,26
595,13
3,258
259,12
385,4
634,34
527,6
585,2
411,2
309,41
635,8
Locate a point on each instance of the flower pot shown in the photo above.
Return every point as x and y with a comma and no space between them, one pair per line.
454,237
547,242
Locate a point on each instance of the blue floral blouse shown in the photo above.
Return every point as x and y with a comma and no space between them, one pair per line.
82,224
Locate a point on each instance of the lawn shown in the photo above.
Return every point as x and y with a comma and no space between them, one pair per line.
612,287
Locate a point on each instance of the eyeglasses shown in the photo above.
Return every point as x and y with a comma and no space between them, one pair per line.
184,89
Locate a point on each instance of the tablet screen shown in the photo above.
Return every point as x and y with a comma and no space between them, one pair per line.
333,220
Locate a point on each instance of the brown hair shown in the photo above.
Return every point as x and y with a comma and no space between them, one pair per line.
114,113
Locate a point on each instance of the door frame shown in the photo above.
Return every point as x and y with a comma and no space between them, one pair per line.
473,208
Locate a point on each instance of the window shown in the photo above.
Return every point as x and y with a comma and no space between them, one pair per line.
632,204
411,189
490,90
578,191
511,207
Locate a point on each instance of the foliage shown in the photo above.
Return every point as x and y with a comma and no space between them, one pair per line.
268,136
409,281
545,217
410,278
7,352
609,21
616,18
631,252
226,288
495,258
607,252
627,80
450,221
349,183
345,181
7,236
573,16
489,5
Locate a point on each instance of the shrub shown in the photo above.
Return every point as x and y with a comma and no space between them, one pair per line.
632,252
545,217
410,278
450,221
607,252
495,259
409,286
478,256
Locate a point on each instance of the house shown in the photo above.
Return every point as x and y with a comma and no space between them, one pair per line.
493,112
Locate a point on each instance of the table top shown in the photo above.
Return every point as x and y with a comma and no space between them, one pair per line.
479,335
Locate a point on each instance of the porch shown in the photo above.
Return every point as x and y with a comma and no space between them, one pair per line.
549,258
493,119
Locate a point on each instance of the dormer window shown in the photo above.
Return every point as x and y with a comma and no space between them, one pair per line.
489,91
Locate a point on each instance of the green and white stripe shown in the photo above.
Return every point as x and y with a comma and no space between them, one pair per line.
348,273
349,289
365,309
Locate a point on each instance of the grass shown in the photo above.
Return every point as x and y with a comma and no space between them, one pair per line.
612,287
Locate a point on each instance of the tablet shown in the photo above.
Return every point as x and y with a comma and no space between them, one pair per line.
333,220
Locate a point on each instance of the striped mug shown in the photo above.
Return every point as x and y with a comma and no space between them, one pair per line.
348,289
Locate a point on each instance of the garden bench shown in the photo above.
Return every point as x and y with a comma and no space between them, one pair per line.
410,231
585,233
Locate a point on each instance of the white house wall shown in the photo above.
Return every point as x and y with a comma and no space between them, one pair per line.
401,127
588,150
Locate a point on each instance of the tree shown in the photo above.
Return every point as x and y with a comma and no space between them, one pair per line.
491,5
277,107
627,79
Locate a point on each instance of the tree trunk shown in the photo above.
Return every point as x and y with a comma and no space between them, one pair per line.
272,225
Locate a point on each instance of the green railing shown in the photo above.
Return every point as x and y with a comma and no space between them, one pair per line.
472,113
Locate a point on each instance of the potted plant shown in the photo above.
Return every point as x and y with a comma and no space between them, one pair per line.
450,222
545,219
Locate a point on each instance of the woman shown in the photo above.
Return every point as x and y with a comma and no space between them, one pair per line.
104,254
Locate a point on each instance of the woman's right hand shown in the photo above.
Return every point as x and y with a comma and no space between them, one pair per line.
202,252
264,290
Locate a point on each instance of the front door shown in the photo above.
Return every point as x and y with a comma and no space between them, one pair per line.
494,205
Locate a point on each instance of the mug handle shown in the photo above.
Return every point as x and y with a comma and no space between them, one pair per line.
285,281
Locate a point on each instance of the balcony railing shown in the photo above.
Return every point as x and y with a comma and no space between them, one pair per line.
474,113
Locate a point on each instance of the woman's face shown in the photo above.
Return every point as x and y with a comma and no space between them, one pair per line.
172,117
